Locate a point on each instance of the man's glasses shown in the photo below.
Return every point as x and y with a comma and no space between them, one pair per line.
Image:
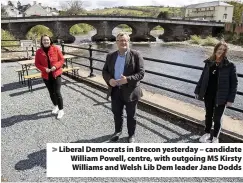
122,40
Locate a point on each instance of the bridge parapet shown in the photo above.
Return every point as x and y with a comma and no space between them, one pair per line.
175,30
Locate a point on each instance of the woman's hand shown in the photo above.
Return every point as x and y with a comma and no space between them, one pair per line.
53,68
48,70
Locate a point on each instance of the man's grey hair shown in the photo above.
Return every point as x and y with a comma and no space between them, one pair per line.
123,34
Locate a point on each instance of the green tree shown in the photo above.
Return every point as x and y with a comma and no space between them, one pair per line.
75,30
72,8
238,10
5,35
163,15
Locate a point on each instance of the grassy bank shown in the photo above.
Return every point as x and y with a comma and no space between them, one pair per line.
142,11
5,35
208,41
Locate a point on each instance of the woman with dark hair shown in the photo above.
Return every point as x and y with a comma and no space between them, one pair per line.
217,86
49,60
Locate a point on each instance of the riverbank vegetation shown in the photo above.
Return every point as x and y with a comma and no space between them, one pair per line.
238,9
5,35
211,41
78,29
208,41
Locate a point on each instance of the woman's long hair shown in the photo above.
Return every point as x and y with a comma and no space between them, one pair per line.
213,56
45,35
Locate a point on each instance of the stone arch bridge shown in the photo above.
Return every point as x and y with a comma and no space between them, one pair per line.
174,30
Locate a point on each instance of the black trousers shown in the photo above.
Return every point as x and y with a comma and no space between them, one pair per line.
54,86
213,114
117,106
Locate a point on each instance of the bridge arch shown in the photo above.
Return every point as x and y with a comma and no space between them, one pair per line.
36,31
82,32
20,31
123,28
157,31
4,27
138,31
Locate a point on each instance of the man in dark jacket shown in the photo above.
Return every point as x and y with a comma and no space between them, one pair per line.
122,72
217,86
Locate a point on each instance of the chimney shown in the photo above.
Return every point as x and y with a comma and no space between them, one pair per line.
34,2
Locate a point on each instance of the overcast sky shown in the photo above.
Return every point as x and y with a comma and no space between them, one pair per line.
93,4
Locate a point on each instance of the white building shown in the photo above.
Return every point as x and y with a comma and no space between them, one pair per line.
51,11
12,11
210,11
28,10
38,10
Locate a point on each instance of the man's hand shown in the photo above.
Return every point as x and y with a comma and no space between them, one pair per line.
229,104
53,68
113,82
48,70
196,96
123,80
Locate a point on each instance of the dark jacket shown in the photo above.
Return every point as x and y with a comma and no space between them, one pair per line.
133,70
227,82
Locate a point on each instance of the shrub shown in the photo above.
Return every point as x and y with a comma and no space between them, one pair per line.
210,41
196,39
5,35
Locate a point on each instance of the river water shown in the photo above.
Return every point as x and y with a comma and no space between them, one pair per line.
187,54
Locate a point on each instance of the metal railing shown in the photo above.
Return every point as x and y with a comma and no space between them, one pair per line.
92,68
32,50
